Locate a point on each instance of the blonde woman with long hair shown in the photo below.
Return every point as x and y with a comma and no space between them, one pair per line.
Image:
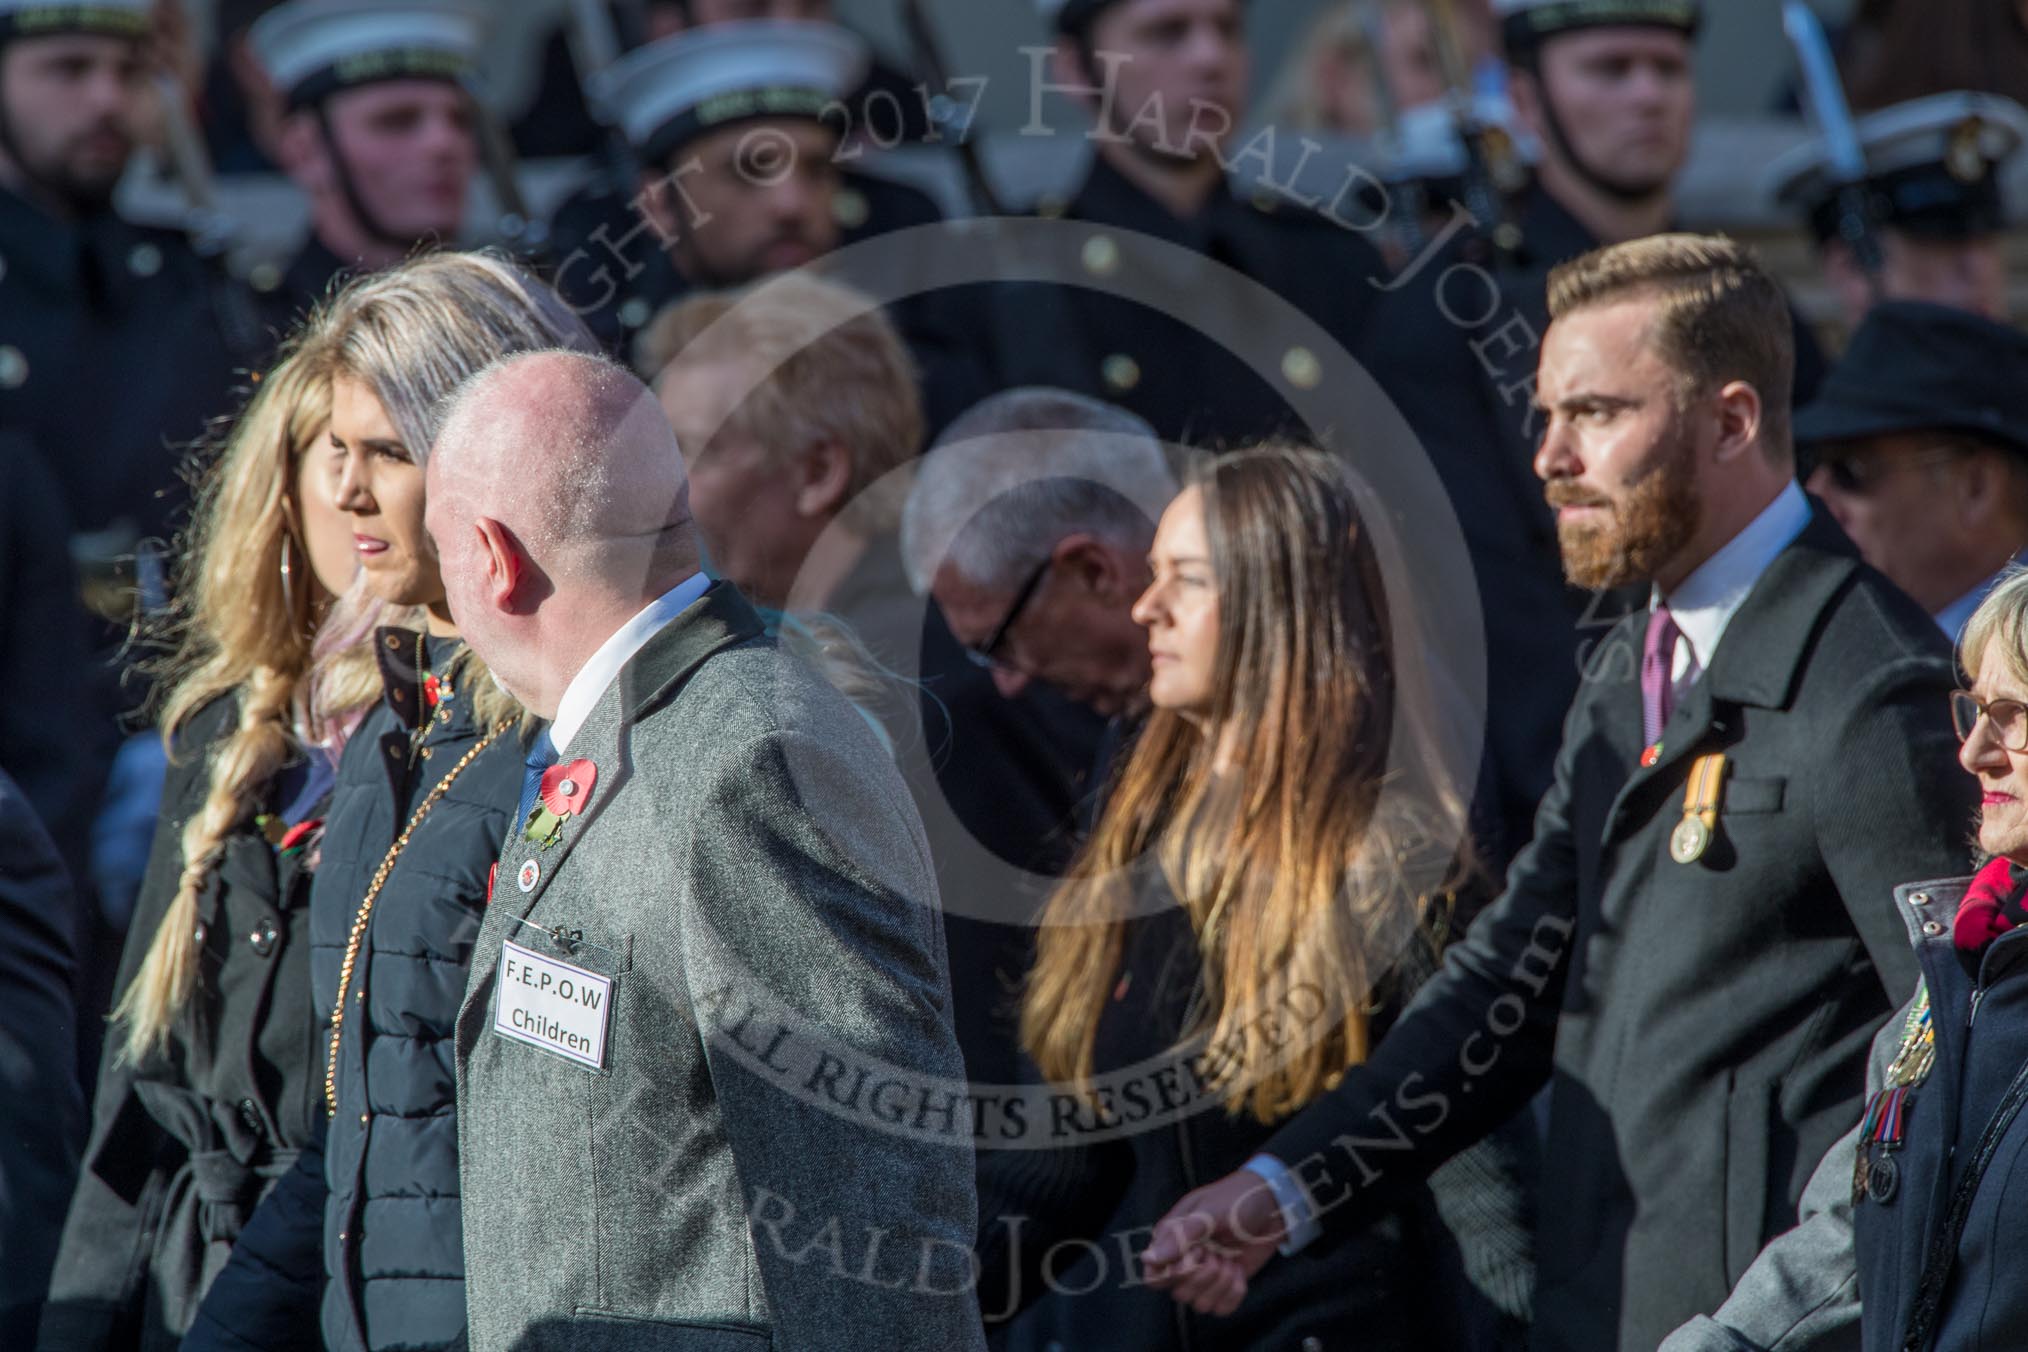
207,1090
1244,919
426,792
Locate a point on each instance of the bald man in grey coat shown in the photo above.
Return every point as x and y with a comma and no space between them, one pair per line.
709,1095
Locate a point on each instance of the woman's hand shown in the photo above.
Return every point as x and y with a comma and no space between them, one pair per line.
1213,1241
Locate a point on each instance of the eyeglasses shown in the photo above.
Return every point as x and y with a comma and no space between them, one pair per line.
985,654
2009,718
1863,471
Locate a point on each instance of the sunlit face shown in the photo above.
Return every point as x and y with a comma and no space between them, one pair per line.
326,530
1180,611
71,106
741,496
1182,66
411,150
1624,97
1616,458
750,199
1897,497
380,487
2002,774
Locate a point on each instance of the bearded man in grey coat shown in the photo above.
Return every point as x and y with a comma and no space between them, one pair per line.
709,1094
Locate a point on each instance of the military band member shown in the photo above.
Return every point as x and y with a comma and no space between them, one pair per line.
741,179
1920,443
1692,954
379,132
862,204
86,294
1933,191
1168,81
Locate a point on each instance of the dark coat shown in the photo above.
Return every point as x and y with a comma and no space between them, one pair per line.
185,1145
392,1239
1060,1228
1951,1125
1703,1026
997,782
1949,1136
1186,383
41,1106
54,738
101,298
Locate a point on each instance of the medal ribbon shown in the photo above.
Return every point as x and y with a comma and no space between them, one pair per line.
1700,796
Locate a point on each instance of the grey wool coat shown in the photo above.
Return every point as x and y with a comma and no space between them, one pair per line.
759,1141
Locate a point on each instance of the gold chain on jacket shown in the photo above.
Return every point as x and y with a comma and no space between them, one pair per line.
366,910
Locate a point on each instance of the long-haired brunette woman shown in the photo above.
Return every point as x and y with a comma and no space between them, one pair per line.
1235,934
423,799
210,1085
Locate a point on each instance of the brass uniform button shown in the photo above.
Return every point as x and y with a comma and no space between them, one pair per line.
145,260
1121,372
1101,256
1301,368
13,367
849,208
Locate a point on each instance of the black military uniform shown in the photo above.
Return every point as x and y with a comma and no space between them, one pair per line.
54,740
314,49
669,92
598,227
41,1110
100,303
1186,382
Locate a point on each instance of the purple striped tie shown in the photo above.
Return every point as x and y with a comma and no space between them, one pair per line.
1658,692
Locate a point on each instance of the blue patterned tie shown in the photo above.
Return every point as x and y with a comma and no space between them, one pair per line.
541,755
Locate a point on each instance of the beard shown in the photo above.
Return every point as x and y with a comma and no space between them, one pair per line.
86,182
1648,524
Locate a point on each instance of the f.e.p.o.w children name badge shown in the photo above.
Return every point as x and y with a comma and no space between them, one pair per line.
552,1005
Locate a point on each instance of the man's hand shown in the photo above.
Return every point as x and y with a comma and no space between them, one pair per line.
1214,1240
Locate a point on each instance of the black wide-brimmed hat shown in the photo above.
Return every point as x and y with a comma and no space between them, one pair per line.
1917,367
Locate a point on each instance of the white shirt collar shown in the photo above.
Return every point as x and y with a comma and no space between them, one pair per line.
581,696
1708,599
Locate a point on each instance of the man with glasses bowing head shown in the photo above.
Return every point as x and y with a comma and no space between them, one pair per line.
710,1093
1697,946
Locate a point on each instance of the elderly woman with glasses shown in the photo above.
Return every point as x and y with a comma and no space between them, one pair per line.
1912,1229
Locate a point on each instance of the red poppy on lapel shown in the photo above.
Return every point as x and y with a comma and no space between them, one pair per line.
561,795
566,787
